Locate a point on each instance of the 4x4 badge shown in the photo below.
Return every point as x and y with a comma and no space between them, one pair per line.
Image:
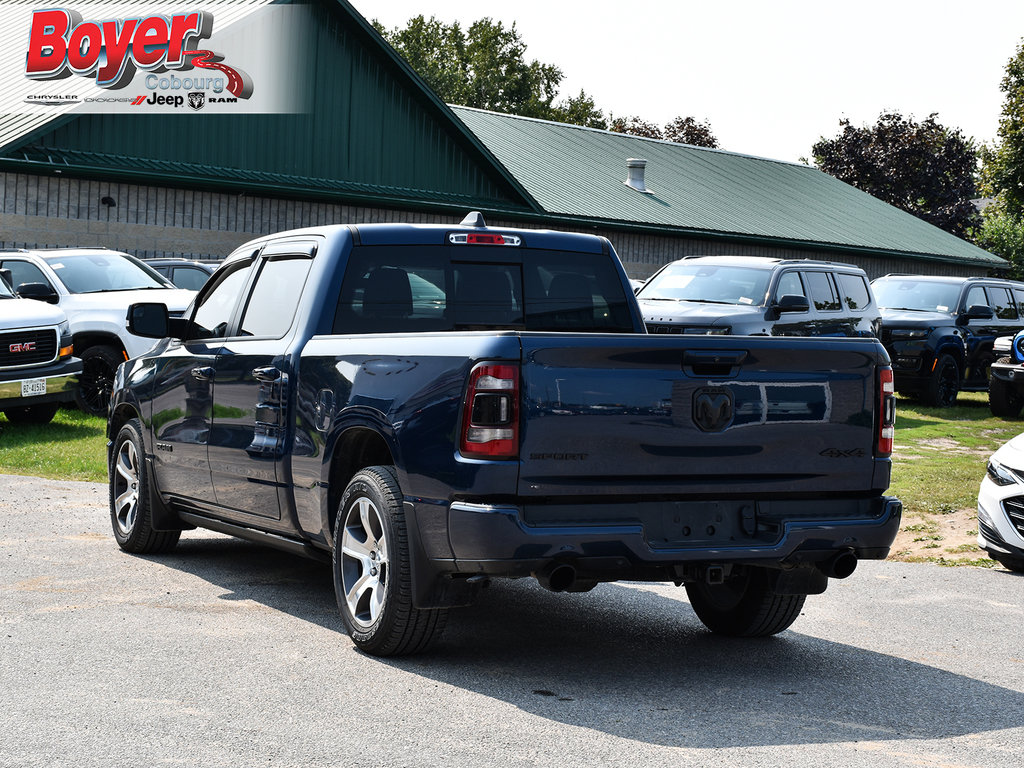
712,409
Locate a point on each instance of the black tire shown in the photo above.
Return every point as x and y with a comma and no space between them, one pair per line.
943,385
32,414
744,606
1010,563
380,618
130,513
96,381
1003,398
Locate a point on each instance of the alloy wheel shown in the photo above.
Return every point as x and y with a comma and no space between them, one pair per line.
126,487
364,561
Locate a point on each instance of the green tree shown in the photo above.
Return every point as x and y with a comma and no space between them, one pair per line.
486,67
580,110
1003,234
686,130
1002,176
924,168
437,51
682,130
636,126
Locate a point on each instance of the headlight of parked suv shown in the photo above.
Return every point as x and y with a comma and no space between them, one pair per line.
1001,475
64,336
708,331
908,333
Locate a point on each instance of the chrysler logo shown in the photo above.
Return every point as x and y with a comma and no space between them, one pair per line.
28,346
712,409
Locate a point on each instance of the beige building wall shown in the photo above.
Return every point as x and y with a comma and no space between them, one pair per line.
152,221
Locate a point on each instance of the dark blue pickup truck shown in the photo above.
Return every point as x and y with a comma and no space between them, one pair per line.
431,407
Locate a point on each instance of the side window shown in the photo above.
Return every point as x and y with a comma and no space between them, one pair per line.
823,293
1002,303
191,278
275,297
975,296
854,290
24,272
1018,298
215,308
790,285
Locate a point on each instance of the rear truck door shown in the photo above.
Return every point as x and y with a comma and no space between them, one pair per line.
252,393
718,417
183,379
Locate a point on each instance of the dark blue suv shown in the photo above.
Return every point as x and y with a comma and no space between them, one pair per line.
939,331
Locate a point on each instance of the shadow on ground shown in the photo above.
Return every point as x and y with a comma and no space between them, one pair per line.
635,664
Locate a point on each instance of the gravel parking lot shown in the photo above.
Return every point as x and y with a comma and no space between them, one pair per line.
229,654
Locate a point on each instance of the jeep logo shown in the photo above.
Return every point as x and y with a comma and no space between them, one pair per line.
28,346
712,409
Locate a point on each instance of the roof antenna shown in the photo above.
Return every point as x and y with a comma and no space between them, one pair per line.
474,219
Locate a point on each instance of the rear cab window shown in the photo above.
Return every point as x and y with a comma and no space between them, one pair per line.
394,289
854,290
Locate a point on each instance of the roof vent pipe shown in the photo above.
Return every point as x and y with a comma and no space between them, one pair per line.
635,175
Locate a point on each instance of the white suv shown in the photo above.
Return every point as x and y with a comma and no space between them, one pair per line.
94,287
37,371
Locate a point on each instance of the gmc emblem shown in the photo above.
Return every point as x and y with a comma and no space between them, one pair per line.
28,346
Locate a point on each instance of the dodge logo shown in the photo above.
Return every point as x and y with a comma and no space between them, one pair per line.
712,409
28,346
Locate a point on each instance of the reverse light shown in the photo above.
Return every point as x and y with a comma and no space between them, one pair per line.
886,412
490,417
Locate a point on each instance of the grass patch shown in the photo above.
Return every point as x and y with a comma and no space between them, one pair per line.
71,447
940,453
938,463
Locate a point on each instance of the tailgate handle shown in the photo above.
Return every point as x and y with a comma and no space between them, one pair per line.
713,362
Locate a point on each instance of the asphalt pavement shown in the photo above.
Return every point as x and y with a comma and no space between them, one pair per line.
225,653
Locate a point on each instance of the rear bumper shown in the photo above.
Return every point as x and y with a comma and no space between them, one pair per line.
60,382
495,540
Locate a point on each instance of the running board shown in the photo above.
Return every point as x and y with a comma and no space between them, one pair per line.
259,537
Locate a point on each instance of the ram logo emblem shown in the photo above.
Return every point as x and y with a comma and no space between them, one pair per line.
712,409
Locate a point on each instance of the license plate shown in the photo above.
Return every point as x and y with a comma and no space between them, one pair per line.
31,387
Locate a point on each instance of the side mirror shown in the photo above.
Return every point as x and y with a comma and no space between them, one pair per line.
790,303
975,312
150,321
39,292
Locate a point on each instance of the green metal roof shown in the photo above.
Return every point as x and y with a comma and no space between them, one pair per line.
373,132
579,172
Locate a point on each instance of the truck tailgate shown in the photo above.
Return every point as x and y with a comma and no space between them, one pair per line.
719,417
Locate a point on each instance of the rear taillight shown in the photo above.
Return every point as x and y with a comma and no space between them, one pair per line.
490,420
886,412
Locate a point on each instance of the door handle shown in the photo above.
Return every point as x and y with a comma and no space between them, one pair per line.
267,375
202,374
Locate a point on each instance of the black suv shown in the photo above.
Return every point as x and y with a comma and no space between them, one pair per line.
939,331
759,296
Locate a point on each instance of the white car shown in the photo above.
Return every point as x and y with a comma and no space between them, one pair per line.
1001,506
37,370
94,287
